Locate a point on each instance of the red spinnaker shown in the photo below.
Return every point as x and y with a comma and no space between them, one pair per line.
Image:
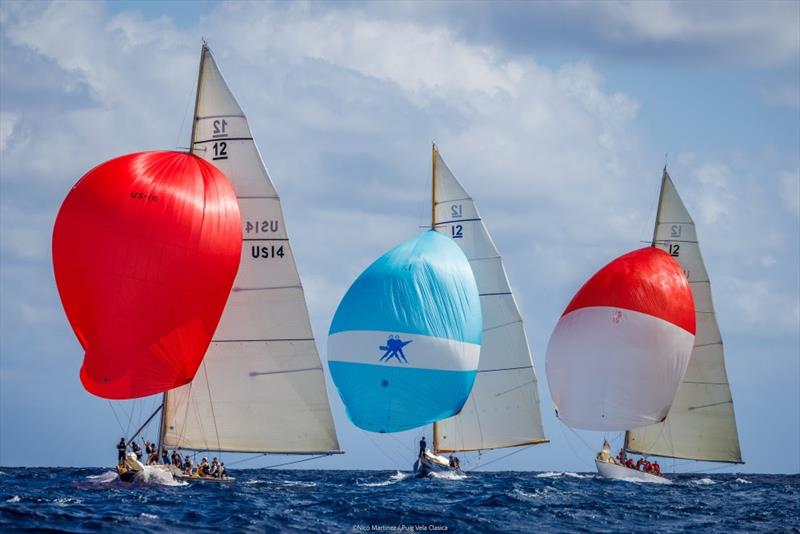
145,250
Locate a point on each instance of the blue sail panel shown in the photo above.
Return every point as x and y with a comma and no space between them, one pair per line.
404,344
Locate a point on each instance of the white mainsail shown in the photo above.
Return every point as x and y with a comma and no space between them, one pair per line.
261,387
701,424
503,407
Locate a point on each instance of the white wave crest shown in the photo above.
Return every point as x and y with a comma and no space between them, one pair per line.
558,474
447,475
537,494
743,481
103,478
154,474
703,481
394,479
15,498
145,515
66,501
301,483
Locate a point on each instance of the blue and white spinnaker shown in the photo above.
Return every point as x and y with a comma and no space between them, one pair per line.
404,344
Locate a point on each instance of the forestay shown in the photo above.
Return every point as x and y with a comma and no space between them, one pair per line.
261,387
503,407
701,424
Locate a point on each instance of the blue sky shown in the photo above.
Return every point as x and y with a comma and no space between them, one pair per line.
555,116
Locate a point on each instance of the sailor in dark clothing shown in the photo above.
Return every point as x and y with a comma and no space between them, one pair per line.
422,446
137,450
165,457
121,450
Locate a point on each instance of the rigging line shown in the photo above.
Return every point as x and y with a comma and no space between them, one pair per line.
512,453
405,446
211,405
114,411
582,440
392,460
296,461
130,419
185,113
569,444
717,468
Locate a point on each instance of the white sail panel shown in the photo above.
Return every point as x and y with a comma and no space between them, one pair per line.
701,424
503,407
261,387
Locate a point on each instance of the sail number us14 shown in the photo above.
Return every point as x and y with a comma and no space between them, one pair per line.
260,227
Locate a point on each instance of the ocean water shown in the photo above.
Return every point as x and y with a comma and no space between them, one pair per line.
90,500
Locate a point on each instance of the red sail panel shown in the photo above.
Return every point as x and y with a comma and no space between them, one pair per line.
145,251
648,281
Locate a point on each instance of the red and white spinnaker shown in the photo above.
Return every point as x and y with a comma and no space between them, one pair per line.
619,352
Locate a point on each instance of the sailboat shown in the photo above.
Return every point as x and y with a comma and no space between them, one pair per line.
503,408
701,424
655,368
260,388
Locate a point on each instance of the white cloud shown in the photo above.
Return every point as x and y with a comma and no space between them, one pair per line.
7,123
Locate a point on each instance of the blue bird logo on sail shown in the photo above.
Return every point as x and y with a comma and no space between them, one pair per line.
394,349
421,295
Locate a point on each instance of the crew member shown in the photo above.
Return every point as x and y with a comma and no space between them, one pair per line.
422,446
137,450
121,450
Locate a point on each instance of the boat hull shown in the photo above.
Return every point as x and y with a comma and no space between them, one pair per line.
620,472
192,478
428,463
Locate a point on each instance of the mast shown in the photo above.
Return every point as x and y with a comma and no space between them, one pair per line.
162,427
197,94
660,201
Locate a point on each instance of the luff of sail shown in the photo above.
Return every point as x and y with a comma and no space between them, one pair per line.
503,407
701,424
261,387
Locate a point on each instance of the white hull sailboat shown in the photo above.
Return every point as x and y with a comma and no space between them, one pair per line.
260,388
701,424
638,350
502,409
428,463
620,472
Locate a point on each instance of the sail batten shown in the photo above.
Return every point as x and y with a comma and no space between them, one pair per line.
701,423
503,407
262,385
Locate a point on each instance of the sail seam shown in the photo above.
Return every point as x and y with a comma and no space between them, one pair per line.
265,239
493,294
256,373
221,116
222,139
505,369
452,200
502,325
266,288
255,340
456,220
